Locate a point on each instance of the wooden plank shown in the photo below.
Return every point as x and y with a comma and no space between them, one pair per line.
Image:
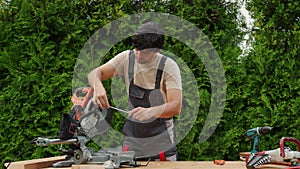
46,163
183,165
36,163
186,164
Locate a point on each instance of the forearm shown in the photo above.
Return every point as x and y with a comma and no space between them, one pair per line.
167,110
94,79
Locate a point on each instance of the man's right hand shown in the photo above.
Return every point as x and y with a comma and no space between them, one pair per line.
100,98
95,78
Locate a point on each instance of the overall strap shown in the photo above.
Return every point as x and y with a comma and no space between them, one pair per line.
131,66
160,71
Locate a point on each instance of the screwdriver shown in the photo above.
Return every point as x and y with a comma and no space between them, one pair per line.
124,111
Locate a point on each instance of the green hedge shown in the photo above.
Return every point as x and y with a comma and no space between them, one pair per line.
41,40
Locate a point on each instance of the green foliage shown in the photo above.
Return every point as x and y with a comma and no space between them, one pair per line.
39,46
41,40
271,71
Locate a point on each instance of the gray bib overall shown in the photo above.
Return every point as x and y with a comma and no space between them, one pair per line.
155,137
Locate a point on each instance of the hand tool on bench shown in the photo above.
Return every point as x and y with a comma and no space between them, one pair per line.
280,156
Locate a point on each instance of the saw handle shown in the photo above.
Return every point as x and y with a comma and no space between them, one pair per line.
287,139
80,100
82,95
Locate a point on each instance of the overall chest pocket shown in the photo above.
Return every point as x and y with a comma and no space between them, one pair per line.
137,92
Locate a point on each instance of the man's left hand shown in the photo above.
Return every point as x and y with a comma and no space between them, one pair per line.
142,114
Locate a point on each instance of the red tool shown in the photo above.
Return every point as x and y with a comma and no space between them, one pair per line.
282,149
287,139
219,162
80,100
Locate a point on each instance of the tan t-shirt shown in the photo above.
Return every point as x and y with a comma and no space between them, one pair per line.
145,74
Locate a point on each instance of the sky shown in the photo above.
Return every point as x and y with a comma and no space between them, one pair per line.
243,12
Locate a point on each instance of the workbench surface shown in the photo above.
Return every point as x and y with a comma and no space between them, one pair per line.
46,162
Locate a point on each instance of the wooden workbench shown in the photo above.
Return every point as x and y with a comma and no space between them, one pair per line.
46,163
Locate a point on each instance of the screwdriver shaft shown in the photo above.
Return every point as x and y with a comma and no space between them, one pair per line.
124,111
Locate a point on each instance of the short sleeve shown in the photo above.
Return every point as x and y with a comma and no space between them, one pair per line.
119,62
172,75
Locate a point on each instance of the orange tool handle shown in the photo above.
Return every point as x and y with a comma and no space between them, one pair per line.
82,96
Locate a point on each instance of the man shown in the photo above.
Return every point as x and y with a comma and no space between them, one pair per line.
153,84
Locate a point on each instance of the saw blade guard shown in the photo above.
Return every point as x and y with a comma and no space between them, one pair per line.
94,121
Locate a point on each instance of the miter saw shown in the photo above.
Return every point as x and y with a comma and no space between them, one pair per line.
280,156
77,128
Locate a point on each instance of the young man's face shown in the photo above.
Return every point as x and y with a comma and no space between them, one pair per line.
145,56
